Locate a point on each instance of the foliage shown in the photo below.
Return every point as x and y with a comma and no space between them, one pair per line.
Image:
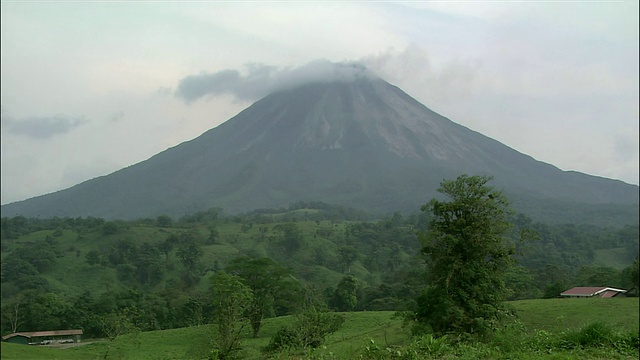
467,256
163,221
596,334
514,341
423,347
110,228
116,324
70,265
232,300
267,280
345,297
348,255
324,212
308,329
630,276
291,237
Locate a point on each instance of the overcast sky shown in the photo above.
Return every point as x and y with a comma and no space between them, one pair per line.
90,88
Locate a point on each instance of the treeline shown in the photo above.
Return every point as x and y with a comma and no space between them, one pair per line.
159,271
274,289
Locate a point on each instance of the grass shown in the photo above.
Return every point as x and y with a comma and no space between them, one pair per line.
555,315
551,329
194,342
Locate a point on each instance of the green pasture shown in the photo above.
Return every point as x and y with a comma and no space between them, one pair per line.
373,335
194,342
558,314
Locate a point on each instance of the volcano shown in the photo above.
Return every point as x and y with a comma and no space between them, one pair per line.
359,142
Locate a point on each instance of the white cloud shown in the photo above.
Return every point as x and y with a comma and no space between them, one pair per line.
261,80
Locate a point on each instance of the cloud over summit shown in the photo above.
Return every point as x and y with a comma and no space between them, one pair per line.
261,80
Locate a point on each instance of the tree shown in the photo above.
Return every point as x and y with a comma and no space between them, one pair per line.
292,237
630,276
189,253
467,255
266,279
348,255
41,310
150,270
16,269
213,234
93,257
598,276
11,313
110,228
309,328
163,221
165,247
345,297
232,300
522,284
115,324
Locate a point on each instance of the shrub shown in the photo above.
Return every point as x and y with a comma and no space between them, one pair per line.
596,334
510,337
309,329
431,346
424,347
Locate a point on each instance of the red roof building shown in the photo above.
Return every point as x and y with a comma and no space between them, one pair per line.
599,291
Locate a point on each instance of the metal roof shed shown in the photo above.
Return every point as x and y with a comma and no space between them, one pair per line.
592,291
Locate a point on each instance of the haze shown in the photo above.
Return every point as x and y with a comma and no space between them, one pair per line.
89,88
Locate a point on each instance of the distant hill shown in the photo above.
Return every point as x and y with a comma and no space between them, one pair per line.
362,142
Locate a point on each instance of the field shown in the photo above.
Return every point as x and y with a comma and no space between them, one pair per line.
558,314
376,335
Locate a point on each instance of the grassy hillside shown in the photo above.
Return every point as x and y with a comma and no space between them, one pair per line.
559,314
361,330
193,343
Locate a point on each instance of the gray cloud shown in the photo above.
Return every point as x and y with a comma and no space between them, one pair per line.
261,80
42,127
450,81
117,116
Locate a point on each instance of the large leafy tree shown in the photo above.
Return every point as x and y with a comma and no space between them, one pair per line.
267,279
345,297
467,255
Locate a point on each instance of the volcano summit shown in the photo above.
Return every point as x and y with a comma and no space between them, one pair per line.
357,141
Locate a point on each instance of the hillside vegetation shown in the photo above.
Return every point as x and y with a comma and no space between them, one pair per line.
447,273
72,272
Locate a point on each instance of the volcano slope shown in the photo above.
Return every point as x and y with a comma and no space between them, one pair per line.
362,143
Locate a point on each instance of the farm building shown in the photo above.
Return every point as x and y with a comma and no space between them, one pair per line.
44,337
586,292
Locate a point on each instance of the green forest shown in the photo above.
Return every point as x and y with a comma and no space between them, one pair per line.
310,260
